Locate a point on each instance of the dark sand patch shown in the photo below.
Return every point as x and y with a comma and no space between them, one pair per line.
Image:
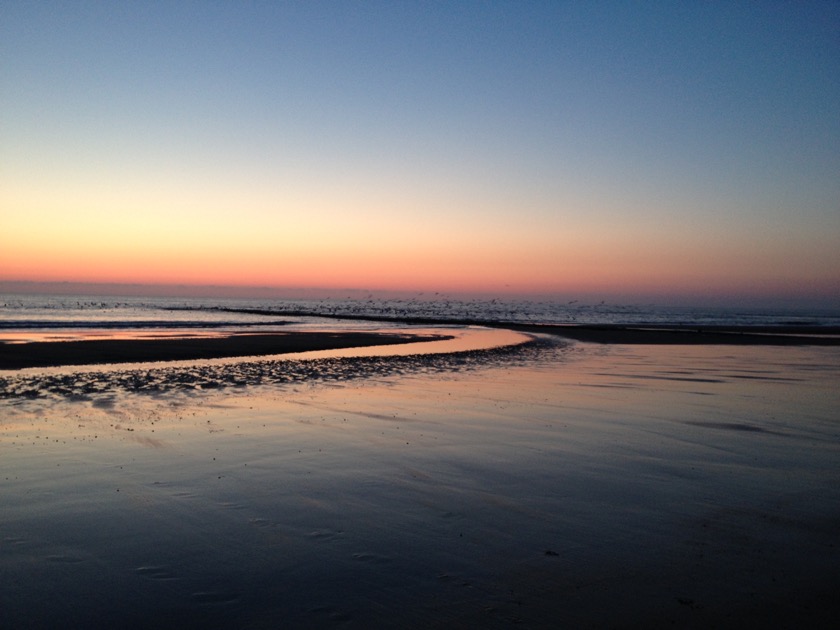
731,426
658,377
683,335
97,351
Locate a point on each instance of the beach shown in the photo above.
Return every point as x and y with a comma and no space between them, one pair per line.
558,483
353,315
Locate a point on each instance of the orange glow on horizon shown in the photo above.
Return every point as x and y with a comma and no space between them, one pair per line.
471,271
335,243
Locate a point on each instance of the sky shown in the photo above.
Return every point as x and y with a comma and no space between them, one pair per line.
654,149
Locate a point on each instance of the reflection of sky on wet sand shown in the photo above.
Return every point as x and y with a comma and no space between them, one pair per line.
589,484
463,339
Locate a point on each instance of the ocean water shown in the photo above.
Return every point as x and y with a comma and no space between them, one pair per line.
77,312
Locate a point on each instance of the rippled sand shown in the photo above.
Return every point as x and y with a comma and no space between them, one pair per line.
554,485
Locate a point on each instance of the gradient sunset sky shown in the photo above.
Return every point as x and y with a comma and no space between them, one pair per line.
671,149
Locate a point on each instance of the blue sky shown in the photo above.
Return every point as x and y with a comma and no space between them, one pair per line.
589,145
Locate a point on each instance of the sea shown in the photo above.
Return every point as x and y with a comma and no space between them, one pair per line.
45,313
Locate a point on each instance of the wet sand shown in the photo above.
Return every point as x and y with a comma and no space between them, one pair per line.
579,485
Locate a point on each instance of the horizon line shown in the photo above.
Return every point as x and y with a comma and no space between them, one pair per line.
227,291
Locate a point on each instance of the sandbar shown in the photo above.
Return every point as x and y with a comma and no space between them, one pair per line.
690,335
14,356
